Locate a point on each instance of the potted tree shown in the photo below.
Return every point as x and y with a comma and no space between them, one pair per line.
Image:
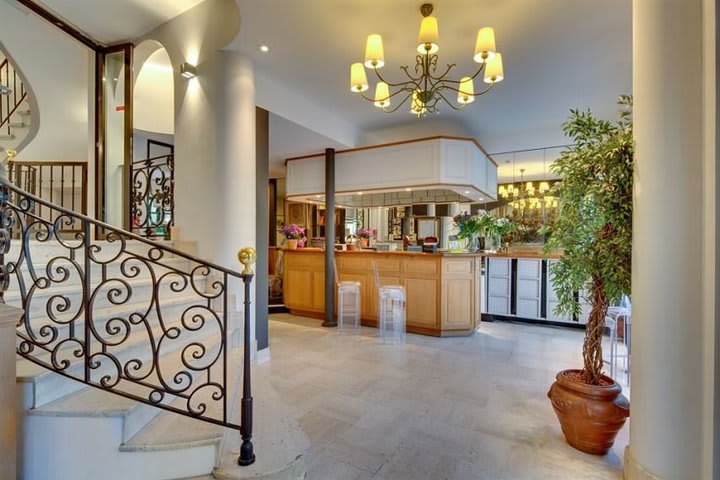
594,229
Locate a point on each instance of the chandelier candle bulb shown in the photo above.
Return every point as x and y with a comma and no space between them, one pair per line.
382,95
429,86
467,90
494,70
428,37
358,79
485,45
374,55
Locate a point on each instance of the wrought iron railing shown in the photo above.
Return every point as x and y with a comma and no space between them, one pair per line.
58,183
101,312
12,93
153,196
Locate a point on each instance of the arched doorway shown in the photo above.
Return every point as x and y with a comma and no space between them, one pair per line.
152,170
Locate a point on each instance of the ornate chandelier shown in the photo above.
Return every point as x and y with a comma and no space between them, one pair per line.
425,88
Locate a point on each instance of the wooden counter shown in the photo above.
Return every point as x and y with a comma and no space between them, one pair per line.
443,290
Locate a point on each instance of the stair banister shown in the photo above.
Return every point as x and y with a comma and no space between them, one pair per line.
66,327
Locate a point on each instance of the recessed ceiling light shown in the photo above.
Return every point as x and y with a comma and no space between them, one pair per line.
408,189
467,191
264,48
359,193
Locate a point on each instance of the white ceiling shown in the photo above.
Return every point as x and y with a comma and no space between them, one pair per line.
288,139
557,54
115,21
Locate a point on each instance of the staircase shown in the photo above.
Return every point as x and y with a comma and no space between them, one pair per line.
15,114
128,360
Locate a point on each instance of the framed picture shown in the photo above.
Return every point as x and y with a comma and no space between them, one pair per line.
296,213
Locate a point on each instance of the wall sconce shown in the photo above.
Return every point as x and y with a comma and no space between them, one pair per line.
187,70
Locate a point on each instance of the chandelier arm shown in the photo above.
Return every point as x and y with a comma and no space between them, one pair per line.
398,105
482,67
403,89
448,101
400,84
450,66
448,87
413,80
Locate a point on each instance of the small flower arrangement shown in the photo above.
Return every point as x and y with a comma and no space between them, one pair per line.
467,224
366,233
293,232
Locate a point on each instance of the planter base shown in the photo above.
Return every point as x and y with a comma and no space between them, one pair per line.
590,415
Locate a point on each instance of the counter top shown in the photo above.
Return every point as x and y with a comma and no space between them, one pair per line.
396,252
521,255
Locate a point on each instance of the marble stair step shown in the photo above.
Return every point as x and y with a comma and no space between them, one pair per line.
91,401
49,386
141,290
113,269
170,431
172,308
42,252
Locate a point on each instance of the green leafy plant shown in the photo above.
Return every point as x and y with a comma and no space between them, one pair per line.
594,222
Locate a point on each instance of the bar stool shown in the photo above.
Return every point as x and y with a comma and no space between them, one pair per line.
348,304
616,315
391,310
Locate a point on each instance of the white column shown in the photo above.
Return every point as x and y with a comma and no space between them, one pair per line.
9,317
235,126
667,418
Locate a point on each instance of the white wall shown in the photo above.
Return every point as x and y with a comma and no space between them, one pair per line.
56,69
420,127
153,95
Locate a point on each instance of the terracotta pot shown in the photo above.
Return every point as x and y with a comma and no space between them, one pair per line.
590,415
364,242
292,244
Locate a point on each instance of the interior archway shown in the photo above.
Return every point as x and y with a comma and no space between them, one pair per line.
153,141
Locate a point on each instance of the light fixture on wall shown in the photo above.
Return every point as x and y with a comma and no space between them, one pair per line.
425,88
188,70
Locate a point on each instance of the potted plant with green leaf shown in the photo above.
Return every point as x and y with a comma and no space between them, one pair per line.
468,229
594,230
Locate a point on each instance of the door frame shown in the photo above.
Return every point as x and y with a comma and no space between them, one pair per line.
100,133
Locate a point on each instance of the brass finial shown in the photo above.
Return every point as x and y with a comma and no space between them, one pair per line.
247,257
11,154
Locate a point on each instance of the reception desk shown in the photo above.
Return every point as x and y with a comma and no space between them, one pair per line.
443,290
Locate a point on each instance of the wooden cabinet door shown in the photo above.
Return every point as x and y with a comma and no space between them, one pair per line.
422,302
458,304
318,291
300,296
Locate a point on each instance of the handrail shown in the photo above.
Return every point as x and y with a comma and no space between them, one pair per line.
132,236
161,338
154,158
7,67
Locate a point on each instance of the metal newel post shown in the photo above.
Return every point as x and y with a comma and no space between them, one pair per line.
247,257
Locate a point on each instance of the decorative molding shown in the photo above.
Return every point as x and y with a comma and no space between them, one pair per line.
62,24
634,471
402,142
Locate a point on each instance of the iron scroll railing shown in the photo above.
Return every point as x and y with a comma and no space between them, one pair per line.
125,315
153,196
